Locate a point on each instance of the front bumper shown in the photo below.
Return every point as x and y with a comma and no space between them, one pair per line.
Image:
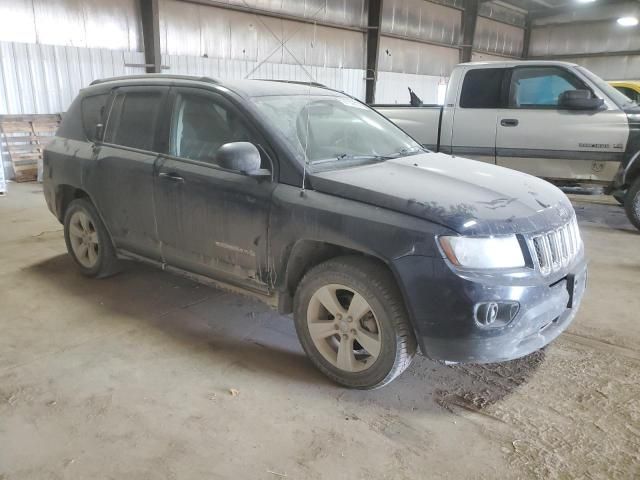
441,303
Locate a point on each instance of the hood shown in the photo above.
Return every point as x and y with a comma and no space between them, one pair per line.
467,196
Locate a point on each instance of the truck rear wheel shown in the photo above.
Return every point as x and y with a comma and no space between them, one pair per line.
632,203
352,322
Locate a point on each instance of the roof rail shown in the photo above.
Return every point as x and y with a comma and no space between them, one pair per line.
296,82
167,76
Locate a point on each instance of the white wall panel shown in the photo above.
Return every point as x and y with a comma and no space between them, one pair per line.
606,36
198,30
80,23
403,56
348,80
36,78
392,87
618,67
421,20
498,37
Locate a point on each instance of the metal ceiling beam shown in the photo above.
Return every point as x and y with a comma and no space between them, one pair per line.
469,20
150,16
526,41
374,24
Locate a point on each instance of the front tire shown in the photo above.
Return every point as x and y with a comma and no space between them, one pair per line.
88,241
352,322
632,203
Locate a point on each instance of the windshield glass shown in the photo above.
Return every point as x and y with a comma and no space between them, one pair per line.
619,98
335,131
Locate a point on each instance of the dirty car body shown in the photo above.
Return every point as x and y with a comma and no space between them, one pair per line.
260,234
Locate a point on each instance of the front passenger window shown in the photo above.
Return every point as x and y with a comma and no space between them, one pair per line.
540,87
201,126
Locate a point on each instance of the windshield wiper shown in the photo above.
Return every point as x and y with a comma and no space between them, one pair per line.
349,156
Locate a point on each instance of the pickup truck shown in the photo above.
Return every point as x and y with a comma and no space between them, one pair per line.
554,120
317,205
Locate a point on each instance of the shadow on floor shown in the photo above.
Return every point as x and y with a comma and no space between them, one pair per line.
241,333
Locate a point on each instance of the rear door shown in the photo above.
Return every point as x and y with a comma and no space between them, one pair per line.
212,221
473,134
536,136
121,179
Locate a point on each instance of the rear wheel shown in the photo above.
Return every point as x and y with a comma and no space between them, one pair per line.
352,323
88,241
632,203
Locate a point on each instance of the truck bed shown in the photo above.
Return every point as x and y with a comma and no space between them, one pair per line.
422,123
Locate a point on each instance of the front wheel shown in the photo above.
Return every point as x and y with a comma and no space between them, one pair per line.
352,322
632,203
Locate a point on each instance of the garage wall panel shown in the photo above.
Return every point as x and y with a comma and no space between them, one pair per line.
421,20
402,56
619,67
496,37
78,23
597,37
36,78
197,30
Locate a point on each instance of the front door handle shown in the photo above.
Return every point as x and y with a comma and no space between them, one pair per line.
171,176
509,122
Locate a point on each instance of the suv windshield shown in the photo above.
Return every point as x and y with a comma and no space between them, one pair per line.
330,132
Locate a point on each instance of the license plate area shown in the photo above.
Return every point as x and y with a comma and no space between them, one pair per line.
576,284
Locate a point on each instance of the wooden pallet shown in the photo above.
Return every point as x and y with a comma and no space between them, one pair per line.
23,137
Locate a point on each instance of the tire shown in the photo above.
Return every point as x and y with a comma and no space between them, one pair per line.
388,343
632,203
88,241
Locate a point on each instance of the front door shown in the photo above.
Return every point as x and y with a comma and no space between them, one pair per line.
211,221
122,177
474,135
536,136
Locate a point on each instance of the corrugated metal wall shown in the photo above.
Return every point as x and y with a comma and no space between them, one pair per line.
37,78
189,29
52,48
592,31
497,37
75,23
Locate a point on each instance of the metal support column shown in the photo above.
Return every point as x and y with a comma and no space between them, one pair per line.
150,15
373,43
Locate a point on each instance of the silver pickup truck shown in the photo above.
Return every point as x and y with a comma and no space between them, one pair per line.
554,120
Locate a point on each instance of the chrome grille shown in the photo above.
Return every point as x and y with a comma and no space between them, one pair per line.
556,249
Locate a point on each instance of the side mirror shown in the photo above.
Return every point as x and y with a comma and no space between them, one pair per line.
579,100
242,157
99,132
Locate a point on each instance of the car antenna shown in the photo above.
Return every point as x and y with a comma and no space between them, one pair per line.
306,134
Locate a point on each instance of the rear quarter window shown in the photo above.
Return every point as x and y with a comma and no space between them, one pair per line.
93,112
133,119
482,88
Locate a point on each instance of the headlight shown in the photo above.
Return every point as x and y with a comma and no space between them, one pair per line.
483,252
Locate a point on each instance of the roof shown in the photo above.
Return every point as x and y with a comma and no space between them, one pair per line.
518,63
247,88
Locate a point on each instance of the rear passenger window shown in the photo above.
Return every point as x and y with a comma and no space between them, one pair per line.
481,88
200,126
93,113
133,119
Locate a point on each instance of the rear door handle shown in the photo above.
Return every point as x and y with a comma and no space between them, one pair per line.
509,122
171,176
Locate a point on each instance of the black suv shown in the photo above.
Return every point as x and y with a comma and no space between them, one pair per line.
310,200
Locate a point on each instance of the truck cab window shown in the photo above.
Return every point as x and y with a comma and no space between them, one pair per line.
540,87
133,119
200,126
481,88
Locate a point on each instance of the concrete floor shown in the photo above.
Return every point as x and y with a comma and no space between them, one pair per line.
130,378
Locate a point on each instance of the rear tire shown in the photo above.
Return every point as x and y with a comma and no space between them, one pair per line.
363,339
88,241
632,203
